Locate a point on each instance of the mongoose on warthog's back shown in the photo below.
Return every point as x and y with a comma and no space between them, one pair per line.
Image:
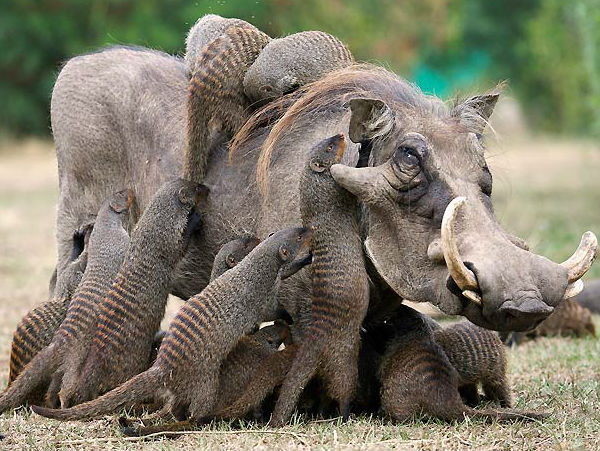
340,289
131,312
288,63
186,372
216,104
416,376
479,357
106,249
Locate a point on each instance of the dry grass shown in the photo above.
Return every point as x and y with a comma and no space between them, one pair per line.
547,192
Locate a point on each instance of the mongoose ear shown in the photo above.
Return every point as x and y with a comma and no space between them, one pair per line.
370,118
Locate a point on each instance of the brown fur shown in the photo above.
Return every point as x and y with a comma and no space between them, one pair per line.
107,246
36,329
186,372
340,294
568,319
130,314
479,357
417,376
216,104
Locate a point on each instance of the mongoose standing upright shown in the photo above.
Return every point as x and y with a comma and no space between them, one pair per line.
216,104
288,63
416,376
232,253
131,312
479,357
36,329
185,375
106,250
340,289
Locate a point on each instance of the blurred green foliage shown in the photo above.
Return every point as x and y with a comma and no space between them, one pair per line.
547,49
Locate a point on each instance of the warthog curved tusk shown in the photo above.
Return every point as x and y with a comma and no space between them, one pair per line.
463,276
582,258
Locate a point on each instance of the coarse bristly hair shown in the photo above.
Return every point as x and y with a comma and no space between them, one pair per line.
335,90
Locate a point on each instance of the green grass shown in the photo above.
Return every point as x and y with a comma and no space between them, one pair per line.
546,192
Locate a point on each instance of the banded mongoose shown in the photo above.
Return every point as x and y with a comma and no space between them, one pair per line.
568,319
36,329
234,375
216,104
130,314
288,63
417,376
340,288
479,357
185,375
106,250
232,253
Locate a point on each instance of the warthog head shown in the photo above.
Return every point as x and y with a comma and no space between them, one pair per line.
432,233
429,226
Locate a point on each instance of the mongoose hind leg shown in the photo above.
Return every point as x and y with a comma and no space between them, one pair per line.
498,391
52,398
304,367
341,379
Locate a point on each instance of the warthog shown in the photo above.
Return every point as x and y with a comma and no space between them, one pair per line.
429,230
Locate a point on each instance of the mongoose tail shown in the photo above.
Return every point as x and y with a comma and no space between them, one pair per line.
135,390
41,367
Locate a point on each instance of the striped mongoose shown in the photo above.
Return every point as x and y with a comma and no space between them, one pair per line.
340,291
106,250
288,63
185,375
234,375
130,314
216,104
479,357
206,29
36,329
417,376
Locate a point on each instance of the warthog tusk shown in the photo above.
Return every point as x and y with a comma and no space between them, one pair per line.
573,289
582,258
463,276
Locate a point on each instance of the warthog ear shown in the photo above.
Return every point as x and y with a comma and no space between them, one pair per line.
370,118
475,111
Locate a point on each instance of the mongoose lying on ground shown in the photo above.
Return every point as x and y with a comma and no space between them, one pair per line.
479,357
106,250
417,376
340,289
568,319
130,314
288,63
185,375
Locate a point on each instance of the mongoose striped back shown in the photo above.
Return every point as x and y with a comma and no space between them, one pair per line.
36,329
217,106
130,313
107,246
479,357
340,291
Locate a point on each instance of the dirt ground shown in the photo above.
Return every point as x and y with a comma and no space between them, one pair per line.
546,191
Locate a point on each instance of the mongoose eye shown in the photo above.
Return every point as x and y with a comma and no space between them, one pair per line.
317,166
284,253
231,262
184,196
